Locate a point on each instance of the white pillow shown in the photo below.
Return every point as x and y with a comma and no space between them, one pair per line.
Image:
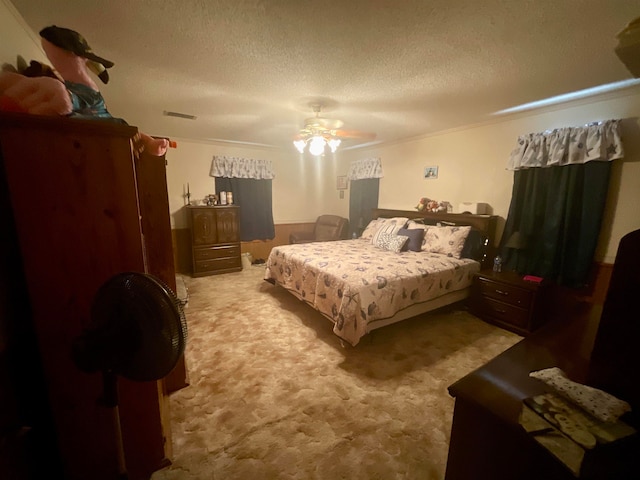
388,225
447,241
372,228
391,242
598,403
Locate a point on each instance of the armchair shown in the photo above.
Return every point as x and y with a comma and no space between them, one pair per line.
327,227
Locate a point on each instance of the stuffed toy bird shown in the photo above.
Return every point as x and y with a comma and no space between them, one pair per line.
77,95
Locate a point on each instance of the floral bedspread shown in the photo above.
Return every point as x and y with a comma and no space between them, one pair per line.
353,282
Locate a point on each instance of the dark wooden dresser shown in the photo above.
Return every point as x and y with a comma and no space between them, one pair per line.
594,344
506,300
215,239
79,206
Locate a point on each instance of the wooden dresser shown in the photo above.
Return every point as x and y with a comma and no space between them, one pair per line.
506,300
215,239
593,344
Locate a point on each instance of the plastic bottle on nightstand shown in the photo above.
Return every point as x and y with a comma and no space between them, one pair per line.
497,264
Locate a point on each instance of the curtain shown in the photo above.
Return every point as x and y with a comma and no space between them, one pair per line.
365,168
250,181
362,200
568,146
560,184
235,167
364,176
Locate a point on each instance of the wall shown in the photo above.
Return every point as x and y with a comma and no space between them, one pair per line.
472,163
17,38
304,187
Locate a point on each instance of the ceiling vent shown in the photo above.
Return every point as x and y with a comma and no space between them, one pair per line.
179,115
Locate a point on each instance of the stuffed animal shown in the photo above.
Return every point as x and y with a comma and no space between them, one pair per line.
432,206
78,96
422,204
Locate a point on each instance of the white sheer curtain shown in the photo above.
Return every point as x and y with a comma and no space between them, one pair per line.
365,168
568,146
236,167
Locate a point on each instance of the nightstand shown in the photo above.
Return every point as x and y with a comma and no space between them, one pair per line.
506,300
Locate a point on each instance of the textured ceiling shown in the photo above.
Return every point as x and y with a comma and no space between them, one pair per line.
248,69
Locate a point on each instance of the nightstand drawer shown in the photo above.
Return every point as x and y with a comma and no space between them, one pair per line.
505,293
501,311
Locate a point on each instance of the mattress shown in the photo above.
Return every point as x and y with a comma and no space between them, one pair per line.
355,284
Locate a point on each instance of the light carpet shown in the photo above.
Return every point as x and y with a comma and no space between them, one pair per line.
275,395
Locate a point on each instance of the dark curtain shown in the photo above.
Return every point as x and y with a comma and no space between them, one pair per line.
362,200
558,210
254,198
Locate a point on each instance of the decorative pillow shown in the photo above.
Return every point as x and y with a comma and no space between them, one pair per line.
413,225
598,403
415,237
445,240
391,241
388,225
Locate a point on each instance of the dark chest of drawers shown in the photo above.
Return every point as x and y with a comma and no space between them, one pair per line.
505,299
215,239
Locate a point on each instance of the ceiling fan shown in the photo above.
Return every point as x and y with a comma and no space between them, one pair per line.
319,132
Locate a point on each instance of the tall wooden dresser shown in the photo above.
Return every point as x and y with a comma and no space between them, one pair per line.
81,205
215,239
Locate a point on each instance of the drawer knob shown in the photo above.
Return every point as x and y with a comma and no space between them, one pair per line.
501,292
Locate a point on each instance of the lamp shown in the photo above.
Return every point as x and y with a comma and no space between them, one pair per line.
317,144
517,243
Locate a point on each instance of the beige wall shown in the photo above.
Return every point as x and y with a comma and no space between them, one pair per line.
472,163
17,38
304,187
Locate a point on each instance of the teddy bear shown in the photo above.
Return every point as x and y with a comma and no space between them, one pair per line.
75,94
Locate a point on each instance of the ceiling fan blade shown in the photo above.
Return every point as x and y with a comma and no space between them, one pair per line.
327,123
301,136
353,134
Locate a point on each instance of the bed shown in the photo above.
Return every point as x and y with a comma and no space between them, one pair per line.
369,282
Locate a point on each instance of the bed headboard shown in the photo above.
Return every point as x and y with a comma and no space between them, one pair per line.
484,223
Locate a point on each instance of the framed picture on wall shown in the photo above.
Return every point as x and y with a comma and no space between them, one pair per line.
431,172
342,182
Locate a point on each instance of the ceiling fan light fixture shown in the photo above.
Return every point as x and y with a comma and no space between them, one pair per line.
319,133
334,143
316,145
300,144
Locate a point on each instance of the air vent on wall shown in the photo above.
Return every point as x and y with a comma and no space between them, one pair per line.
179,115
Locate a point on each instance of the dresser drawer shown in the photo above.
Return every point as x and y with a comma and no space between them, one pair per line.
503,312
505,293
212,253
216,264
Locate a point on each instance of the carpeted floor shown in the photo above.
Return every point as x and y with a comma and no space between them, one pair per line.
274,394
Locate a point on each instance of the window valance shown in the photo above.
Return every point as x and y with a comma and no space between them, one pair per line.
365,168
236,167
568,146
